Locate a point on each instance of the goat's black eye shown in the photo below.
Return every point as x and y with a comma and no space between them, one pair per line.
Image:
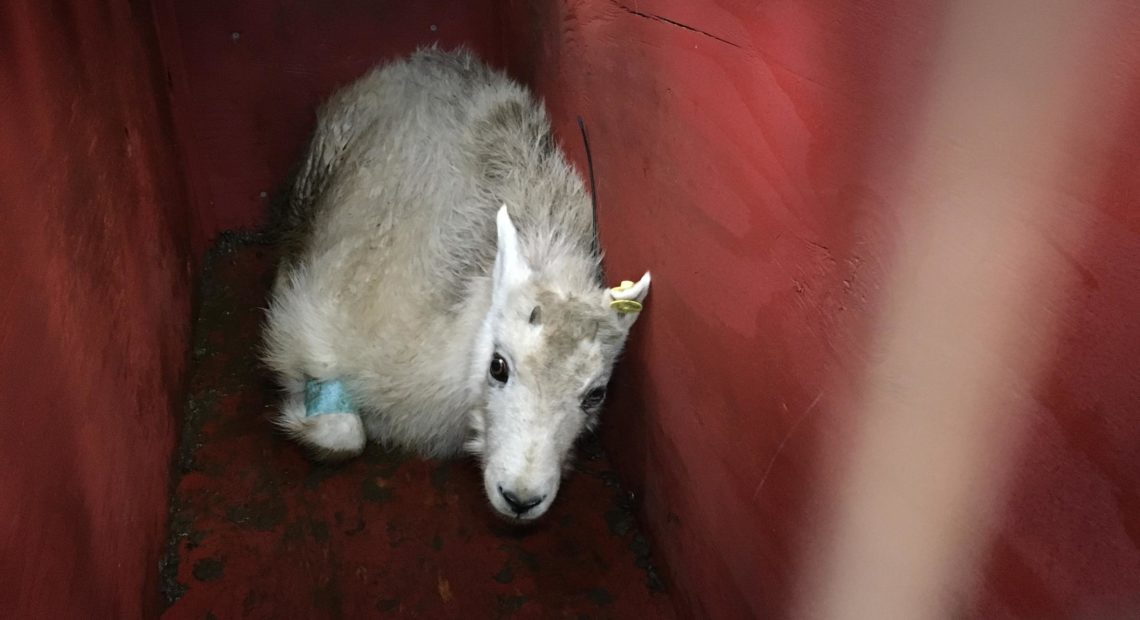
593,399
499,370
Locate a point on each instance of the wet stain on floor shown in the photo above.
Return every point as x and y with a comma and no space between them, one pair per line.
260,531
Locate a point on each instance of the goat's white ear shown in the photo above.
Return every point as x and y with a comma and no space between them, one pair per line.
510,266
628,299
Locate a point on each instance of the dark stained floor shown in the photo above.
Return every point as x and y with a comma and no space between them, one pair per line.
258,531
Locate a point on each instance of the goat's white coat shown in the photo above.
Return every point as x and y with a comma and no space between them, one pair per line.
410,273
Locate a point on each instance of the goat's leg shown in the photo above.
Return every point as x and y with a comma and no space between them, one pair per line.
322,418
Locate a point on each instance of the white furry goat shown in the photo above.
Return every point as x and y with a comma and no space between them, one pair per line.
409,309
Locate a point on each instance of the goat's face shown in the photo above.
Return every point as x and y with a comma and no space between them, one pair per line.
550,358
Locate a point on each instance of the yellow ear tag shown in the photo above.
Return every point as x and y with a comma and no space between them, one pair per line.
625,306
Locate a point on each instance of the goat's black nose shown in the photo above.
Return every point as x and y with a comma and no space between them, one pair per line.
520,506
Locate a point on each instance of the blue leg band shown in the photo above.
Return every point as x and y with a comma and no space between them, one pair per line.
326,397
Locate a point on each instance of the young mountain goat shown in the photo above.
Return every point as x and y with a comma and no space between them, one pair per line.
410,309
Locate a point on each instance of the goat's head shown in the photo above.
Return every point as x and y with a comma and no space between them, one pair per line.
548,357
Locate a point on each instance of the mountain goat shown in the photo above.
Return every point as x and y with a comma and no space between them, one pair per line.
439,284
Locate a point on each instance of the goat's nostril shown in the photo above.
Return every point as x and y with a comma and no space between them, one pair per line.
518,505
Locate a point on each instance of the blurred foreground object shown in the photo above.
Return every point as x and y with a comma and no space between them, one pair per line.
970,312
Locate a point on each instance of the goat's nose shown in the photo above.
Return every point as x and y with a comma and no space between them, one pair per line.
519,505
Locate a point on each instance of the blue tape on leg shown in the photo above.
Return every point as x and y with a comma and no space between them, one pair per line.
326,397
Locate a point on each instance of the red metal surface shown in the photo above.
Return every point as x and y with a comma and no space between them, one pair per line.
249,75
744,152
94,309
1070,546
259,531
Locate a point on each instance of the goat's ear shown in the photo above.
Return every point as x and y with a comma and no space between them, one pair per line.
628,299
510,266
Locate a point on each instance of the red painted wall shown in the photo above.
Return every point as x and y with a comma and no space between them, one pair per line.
745,153
93,322
249,75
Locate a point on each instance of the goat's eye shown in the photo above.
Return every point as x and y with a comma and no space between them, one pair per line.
499,370
593,399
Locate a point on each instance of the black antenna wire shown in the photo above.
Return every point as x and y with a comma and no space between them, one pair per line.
593,200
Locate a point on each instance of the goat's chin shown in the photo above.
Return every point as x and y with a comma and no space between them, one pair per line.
515,520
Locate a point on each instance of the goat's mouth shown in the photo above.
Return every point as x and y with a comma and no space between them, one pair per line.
519,504
518,515
521,521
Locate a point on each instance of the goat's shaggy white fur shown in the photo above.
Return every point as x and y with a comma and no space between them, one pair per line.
401,282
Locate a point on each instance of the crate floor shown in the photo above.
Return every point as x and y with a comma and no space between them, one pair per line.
259,531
